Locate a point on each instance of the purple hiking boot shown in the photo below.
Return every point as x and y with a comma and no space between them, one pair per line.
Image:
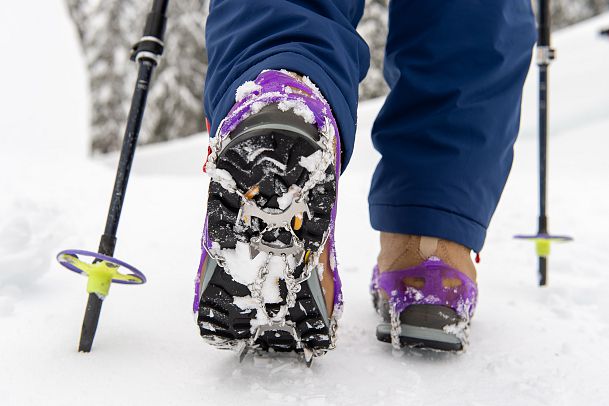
274,167
428,305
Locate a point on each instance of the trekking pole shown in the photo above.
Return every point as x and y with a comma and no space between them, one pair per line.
102,270
545,56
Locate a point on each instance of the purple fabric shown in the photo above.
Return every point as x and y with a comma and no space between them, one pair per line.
275,87
462,298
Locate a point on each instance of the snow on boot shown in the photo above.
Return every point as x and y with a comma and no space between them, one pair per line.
267,279
424,289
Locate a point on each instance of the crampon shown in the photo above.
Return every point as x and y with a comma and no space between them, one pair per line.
271,208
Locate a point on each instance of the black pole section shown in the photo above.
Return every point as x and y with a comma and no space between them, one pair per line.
89,323
146,53
134,122
545,55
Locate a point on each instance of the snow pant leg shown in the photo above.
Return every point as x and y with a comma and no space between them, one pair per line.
316,38
456,71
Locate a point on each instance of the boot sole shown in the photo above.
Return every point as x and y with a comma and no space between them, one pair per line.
421,337
265,154
428,327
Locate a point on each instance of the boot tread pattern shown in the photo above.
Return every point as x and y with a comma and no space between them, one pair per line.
266,166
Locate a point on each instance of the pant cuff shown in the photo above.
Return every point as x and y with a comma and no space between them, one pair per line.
428,221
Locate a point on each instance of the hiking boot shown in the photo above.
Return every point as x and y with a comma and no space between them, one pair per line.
425,290
267,279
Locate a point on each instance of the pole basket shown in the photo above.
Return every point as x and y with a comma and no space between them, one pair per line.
101,270
543,242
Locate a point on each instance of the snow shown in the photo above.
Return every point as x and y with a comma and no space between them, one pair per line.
268,169
246,89
528,346
253,155
299,108
246,272
243,271
311,162
222,176
284,201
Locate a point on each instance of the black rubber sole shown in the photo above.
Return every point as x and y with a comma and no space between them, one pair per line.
423,326
409,338
267,159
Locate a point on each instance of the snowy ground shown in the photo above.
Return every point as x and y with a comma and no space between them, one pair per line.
530,346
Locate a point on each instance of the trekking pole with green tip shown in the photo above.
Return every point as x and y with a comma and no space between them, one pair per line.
102,269
545,56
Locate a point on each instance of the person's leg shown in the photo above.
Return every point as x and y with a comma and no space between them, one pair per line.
446,131
281,75
316,38
456,71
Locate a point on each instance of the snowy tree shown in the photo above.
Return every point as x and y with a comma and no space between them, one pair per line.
567,12
107,29
177,91
101,26
373,28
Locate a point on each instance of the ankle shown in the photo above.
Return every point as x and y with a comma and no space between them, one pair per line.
401,251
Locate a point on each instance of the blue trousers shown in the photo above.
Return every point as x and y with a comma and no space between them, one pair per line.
446,131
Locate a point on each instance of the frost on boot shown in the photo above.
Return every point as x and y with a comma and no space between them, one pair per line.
425,291
270,216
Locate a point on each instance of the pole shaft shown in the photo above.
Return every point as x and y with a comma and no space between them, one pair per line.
134,123
108,240
89,323
160,6
545,21
544,43
543,148
151,52
543,271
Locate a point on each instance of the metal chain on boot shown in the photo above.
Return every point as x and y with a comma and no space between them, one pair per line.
396,327
293,285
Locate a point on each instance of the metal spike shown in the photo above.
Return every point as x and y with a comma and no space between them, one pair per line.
249,210
242,217
258,245
308,356
242,351
254,251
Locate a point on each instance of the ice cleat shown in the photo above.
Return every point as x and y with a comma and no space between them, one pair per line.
427,305
274,167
